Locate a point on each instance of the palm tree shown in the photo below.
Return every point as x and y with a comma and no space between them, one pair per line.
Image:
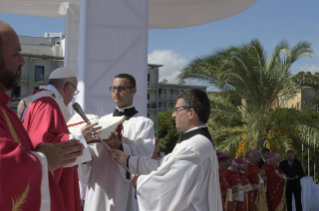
247,71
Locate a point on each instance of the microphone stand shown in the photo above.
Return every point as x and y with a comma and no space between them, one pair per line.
79,110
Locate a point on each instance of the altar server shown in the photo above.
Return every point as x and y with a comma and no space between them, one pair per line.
25,180
187,178
45,120
109,186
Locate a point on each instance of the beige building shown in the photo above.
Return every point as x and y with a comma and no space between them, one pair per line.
42,55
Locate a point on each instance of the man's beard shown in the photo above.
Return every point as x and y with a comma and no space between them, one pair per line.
9,79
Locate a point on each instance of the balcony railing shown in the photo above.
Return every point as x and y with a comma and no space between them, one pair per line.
163,96
152,105
24,77
172,97
44,78
162,109
151,85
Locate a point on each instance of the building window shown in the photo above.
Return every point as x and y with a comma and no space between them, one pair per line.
16,94
148,77
148,115
39,73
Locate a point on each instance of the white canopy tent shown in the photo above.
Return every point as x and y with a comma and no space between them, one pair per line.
108,37
163,14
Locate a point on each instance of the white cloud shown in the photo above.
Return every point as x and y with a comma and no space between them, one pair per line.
307,68
173,64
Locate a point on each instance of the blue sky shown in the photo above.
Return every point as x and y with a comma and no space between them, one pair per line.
268,20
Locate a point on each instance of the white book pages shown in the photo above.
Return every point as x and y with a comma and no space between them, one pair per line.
109,123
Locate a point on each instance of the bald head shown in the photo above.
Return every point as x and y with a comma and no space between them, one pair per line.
11,60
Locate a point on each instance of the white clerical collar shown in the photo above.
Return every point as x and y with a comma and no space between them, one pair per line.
52,89
290,163
263,159
122,109
195,128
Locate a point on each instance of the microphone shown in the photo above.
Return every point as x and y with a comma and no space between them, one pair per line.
80,111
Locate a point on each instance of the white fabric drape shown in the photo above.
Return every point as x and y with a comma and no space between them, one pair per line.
113,40
309,195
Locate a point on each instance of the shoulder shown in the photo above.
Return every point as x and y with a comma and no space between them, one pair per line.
200,144
47,102
141,120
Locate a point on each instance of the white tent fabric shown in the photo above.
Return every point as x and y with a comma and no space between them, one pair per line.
112,40
163,14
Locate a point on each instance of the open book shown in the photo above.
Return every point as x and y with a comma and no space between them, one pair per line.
109,124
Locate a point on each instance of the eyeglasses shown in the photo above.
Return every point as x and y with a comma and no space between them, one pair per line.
177,109
76,90
119,88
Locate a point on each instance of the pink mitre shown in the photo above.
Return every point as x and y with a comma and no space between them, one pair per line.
222,156
247,153
271,155
239,160
218,153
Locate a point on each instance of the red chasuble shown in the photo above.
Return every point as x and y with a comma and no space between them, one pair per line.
250,202
21,171
252,175
275,189
45,123
233,180
224,186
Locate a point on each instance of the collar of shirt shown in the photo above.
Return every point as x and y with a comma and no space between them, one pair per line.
290,163
52,89
4,98
122,109
263,159
195,128
242,172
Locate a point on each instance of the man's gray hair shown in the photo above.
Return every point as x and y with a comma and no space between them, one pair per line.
59,83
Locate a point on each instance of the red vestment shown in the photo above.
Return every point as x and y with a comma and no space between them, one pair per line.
250,202
21,171
45,123
233,180
252,175
275,189
227,205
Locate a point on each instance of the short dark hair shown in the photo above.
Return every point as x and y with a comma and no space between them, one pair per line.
198,100
265,150
290,151
222,159
129,77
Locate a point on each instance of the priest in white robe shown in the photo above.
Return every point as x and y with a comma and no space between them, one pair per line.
186,179
109,186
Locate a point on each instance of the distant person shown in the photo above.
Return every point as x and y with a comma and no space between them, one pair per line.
294,171
263,159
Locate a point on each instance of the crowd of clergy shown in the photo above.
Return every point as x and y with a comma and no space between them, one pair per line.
247,185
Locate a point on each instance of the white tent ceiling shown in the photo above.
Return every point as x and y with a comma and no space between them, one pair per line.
163,14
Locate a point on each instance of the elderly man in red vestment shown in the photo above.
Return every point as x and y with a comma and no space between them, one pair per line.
45,120
232,176
248,188
275,185
25,181
225,189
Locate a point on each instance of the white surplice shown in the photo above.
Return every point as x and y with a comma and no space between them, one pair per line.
186,179
108,187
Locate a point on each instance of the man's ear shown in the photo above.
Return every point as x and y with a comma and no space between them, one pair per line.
66,87
134,91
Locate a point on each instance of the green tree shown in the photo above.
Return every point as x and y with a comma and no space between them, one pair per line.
257,80
167,133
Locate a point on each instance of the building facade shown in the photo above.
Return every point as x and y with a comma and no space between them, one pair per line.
42,55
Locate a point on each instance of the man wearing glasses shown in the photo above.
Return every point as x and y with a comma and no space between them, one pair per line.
186,179
45,119
109,186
